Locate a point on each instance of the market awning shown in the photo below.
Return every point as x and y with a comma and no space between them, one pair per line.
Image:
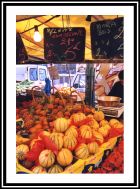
36,49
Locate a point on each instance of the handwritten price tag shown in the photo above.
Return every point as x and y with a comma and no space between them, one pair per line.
64,44
107,38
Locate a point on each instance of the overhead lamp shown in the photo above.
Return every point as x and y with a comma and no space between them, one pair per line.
88,18
37,36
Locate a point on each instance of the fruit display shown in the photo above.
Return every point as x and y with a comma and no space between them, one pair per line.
55,135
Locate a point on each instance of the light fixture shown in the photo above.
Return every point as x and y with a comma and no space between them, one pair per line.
88,18
37,36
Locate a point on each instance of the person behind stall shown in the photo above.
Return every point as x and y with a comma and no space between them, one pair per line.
118,87
47,87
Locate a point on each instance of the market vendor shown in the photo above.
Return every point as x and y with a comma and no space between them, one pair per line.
118,87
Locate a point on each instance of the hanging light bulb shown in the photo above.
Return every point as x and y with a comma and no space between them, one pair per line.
37,36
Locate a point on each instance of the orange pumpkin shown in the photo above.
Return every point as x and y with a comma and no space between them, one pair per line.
46,158
61,124
64,157
86,131
70,142
99,115
93,147
82,151
21,151
57,138
55,169
39,170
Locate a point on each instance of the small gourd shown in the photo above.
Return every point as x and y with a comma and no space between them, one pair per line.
57,138
70,142
77,117
61,124
104,131
55,169
98,136
93,123
64,157
112,122
72,131
103,122
46,158
99,116
86,131
21,151
82,151
93,147
39,170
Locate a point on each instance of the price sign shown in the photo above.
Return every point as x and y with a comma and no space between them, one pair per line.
64,44
107,39
53,72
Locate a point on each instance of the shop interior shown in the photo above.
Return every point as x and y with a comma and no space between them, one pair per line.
68,120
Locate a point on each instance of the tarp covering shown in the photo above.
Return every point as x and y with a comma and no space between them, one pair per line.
36,49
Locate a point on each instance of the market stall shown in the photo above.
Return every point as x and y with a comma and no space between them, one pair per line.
55,132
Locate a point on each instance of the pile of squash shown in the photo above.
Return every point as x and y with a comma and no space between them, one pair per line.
58,134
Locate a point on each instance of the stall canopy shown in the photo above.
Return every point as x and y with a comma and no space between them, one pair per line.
35,50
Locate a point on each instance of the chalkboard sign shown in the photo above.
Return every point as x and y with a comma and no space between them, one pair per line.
21,54
107,39
64,44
